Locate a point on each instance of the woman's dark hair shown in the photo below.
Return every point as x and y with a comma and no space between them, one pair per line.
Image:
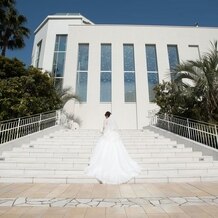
107,114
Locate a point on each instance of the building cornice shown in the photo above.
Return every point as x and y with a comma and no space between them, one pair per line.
66,16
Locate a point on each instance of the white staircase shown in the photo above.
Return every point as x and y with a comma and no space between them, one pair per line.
62,156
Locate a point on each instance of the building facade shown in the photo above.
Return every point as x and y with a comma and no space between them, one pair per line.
114,67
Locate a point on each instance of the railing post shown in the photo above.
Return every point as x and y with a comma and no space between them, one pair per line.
40,118
58,117
216,135
168,121
151,120
155,120
189,135
18,128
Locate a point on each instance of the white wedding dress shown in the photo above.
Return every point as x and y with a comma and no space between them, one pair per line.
110,163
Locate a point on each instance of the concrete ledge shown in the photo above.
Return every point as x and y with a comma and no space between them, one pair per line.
206,150
8,146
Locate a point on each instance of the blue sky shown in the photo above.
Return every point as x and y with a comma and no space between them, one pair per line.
147,12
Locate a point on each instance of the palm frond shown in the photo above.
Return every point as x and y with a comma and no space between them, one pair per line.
204,75
67,94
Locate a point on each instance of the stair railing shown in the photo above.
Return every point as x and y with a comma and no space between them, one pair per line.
205,133
18,127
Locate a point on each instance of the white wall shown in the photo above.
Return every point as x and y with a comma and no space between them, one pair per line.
48,32
127,115
40,36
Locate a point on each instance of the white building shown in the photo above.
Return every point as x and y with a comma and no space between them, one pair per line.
114,67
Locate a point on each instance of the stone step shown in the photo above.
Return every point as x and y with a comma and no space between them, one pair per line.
174,179
86,159
75,172
94,143
85,179
62,156
79,135
87,154
98,131
127,137
88,150
132,146
44,179
82,166
125,142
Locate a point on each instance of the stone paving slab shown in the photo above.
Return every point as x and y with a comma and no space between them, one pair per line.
108,202
174,200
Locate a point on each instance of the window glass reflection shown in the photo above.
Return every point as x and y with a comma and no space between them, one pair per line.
82,71
105,80
130,89
59,55
105,95
152,70
129,73
173,59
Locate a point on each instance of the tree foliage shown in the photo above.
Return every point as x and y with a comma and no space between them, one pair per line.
24,91
12,27
194,93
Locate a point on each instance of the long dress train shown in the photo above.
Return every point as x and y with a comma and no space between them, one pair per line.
110,162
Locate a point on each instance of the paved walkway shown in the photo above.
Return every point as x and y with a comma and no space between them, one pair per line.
107,201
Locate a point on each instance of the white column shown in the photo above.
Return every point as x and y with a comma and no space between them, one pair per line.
141,85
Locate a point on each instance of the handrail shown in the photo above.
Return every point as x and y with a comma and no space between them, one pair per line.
19,127
205,133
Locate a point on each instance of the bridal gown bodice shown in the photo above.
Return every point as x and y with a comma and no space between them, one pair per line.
110,162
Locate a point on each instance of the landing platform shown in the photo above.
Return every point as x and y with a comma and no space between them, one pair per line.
107,201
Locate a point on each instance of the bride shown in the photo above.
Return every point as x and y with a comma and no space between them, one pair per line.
110,163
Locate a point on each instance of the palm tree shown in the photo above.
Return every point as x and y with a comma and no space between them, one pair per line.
201,78
12,29
4,4
66,94
69,117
